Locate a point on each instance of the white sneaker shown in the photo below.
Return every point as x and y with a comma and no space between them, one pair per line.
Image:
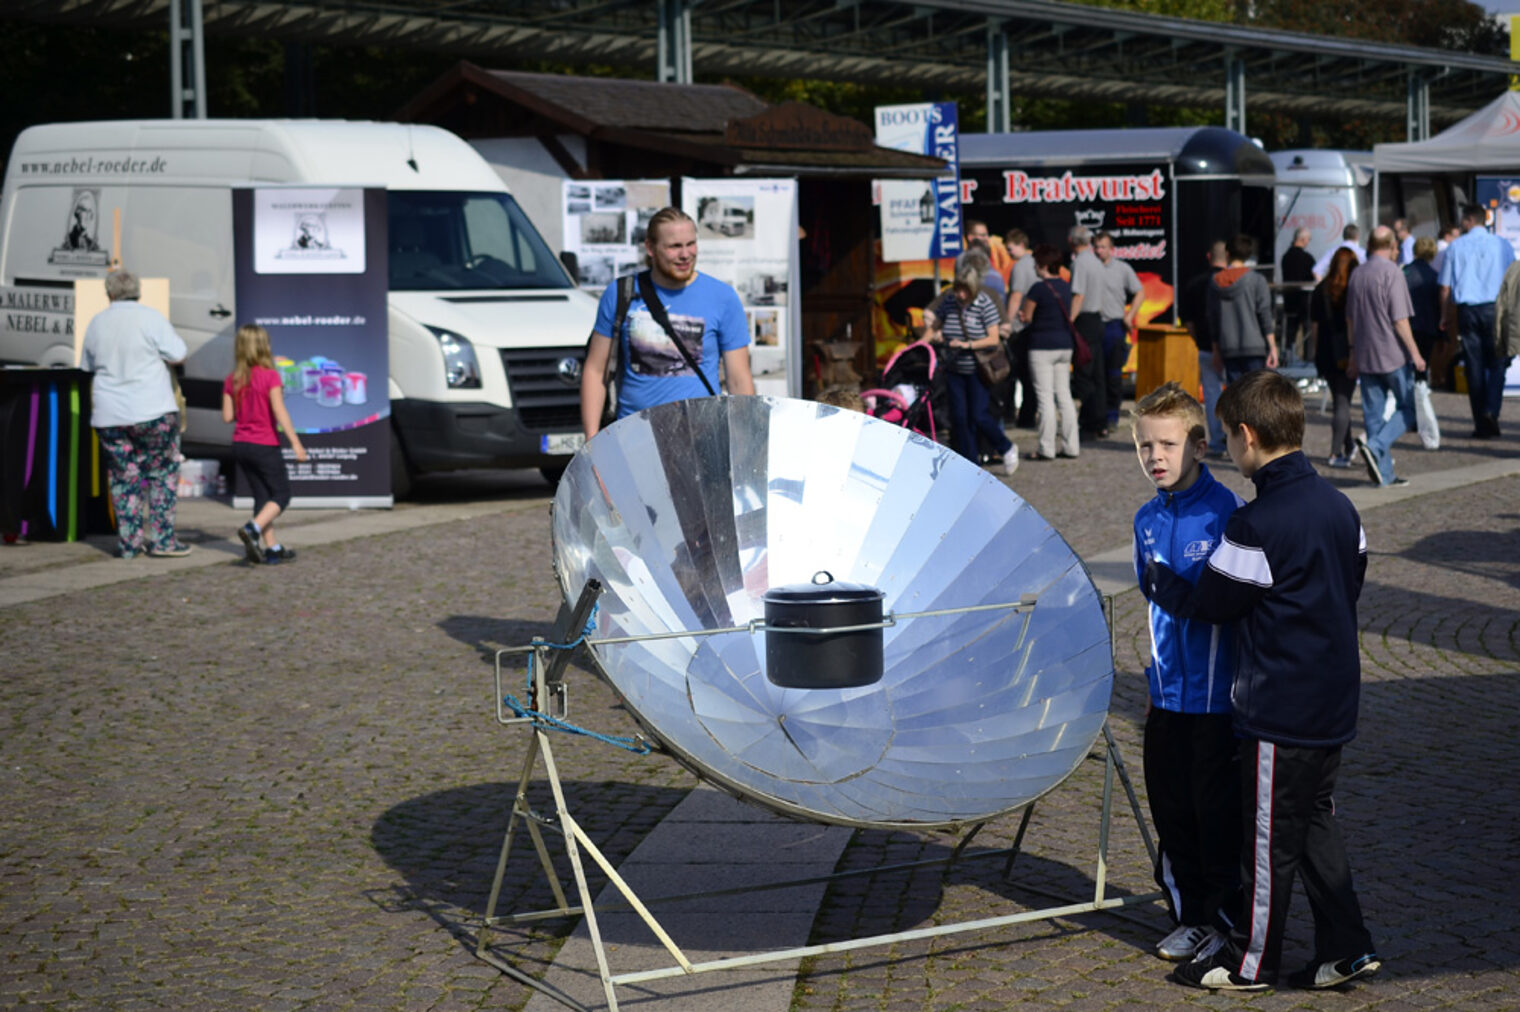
1011,461
1182,944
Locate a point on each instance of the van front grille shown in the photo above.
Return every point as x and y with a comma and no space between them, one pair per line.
545,401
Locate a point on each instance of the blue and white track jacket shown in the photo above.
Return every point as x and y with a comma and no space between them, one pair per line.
1192,661
1288,573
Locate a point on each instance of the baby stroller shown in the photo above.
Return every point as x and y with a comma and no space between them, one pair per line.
906,395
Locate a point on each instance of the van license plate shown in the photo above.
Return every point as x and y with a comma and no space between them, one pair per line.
562,442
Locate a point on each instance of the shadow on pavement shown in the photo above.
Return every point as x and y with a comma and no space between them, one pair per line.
445,847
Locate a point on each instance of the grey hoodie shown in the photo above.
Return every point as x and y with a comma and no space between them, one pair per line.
1240,312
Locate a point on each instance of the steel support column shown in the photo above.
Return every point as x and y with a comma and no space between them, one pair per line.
1234,92
1417,108
999,117
187,86
674,53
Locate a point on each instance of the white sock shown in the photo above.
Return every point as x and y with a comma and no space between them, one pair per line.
256,528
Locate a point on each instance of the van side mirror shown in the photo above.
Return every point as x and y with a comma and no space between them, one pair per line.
572,263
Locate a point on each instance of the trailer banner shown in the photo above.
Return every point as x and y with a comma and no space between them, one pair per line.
312,268
920,218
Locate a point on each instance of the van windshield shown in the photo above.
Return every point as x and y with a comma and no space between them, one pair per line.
441,241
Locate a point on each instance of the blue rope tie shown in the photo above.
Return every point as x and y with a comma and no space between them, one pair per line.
543,720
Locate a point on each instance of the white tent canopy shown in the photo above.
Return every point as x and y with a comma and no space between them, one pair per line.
1489,139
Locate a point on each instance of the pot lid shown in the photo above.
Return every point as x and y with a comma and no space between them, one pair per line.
823,589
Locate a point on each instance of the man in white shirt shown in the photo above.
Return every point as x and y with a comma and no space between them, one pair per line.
1349,236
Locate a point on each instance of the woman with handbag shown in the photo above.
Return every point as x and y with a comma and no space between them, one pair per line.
1053,346
962,320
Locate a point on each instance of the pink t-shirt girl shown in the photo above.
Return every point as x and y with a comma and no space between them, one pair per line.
253,420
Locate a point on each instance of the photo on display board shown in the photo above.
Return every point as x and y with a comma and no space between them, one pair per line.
761,288
578,191
727,217
764,326
577,207
596,271
641,218
607,228
611,198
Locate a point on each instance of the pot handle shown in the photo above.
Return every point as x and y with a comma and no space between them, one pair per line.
823,576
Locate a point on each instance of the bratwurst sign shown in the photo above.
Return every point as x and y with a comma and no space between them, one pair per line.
1133,203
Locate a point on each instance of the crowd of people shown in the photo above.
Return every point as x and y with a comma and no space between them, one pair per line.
1374,319
1067,331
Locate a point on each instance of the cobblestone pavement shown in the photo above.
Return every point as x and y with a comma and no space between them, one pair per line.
235,788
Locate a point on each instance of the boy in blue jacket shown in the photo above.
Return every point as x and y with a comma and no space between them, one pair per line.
1192,772
1288,573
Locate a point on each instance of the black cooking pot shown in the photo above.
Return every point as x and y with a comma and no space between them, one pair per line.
840,660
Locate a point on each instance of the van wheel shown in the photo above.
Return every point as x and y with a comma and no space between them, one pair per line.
553,474
403,478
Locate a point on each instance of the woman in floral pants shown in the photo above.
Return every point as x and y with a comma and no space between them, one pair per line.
128,347
142,462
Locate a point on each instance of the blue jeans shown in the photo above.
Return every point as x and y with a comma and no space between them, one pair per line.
1377,387
970,414
1234,368
1213,385
1485,366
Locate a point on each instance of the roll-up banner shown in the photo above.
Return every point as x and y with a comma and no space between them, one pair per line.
312,270
747,237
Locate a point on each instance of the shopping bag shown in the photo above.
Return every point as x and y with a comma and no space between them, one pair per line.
1425,416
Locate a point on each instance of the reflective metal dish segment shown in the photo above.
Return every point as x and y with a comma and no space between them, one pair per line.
689,512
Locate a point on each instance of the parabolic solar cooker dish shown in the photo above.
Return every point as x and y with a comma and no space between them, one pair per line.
687,513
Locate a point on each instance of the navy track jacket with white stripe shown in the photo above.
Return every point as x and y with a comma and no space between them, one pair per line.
1192,661
1288,572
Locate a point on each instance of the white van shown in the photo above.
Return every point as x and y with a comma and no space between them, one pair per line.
1323,191
487,329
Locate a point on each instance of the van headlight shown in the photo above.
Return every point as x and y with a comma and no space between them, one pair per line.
460,369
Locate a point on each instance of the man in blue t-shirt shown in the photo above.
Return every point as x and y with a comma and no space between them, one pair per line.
705,314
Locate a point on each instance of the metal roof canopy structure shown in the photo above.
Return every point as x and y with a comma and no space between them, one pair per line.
1038,48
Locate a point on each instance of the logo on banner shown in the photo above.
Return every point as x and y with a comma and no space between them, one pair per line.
81,234
1091,218
308,231
310,241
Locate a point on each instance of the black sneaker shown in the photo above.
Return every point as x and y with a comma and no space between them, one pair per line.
277,556
1370,460
1212,975
1397,483
1318,976
252,550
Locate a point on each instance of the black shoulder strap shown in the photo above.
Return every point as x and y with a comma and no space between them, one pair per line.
657,310
624,296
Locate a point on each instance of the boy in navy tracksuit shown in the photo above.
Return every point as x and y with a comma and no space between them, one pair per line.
1192,772
1288,573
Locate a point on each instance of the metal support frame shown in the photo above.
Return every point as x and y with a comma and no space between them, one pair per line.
673,52
187,91
548,687
1417,107
999,101
1234,91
